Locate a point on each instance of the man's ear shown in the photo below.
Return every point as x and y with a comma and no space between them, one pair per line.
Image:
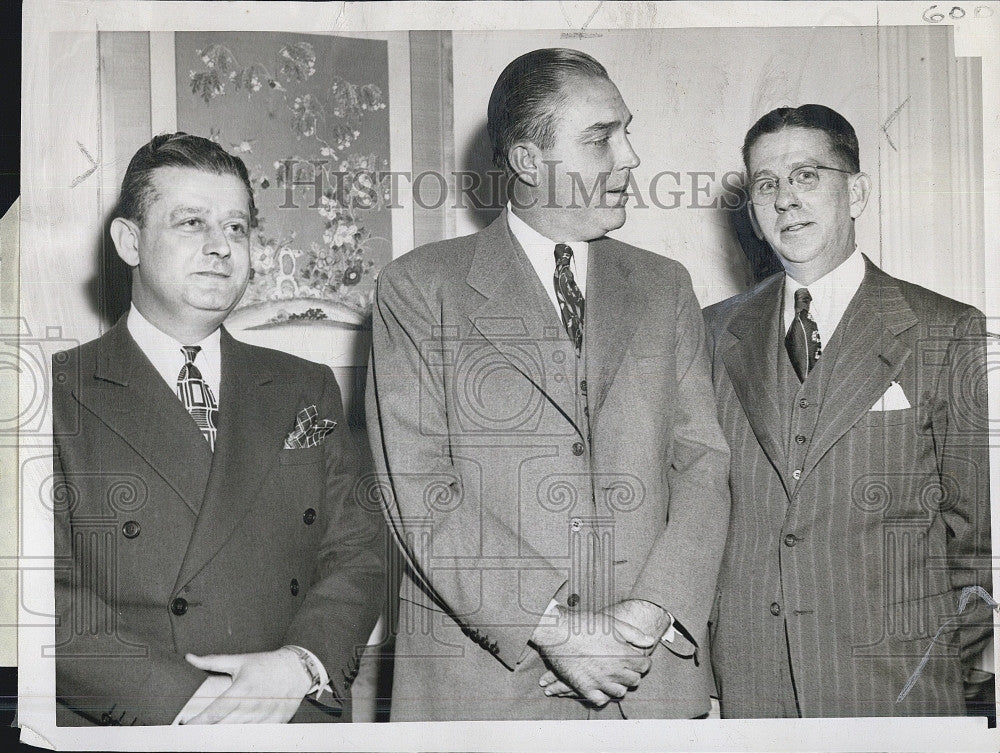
125,235
860,188
525,161
753,221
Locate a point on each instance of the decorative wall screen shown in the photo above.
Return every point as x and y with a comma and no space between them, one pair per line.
308,114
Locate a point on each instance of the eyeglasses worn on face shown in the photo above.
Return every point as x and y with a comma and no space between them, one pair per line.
805,178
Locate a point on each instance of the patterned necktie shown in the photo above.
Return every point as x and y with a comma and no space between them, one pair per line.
802,340
569,296
197,396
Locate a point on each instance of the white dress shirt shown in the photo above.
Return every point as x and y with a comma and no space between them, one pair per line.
831,295
541,252
165,353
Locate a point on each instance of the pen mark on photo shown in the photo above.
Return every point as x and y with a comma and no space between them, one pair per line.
94,164
586,23
888,122
967,593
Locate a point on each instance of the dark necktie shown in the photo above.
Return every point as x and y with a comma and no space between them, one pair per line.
802,340
197,396
569,296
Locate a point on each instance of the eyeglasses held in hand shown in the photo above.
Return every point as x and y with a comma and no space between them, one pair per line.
805,178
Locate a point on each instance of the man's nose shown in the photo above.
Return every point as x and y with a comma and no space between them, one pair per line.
628,159
786,197
217,243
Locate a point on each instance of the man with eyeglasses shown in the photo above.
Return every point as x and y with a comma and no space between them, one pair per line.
855,408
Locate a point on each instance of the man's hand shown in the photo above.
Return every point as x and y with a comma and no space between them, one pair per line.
650,621
593,655
267,687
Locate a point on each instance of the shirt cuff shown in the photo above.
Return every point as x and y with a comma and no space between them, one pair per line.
321,680
551,612
670,633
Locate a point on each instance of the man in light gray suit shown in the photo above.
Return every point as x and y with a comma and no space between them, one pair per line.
542,419
855,407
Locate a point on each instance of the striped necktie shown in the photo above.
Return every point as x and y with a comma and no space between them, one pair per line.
569,296
197,395
802,340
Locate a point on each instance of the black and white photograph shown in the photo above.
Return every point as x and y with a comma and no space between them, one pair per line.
505,375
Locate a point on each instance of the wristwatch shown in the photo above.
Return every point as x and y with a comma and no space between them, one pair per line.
308,661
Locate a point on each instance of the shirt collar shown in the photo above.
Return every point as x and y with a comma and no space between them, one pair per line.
541,251
164,352
831,293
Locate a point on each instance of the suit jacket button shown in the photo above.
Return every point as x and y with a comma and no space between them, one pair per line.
791,539
130,529
295,587
797,474
775,608
803,403
179,606
583,386
573,600
578,448
309,517
800,439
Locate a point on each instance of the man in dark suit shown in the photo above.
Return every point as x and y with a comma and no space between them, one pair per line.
854,405
213,565
542,420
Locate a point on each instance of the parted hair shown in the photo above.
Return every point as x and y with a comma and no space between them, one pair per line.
843,140
526,98
174,150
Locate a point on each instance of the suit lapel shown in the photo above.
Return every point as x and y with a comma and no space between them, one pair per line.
614,308
751,362
255,416
868,357
131,398
517,308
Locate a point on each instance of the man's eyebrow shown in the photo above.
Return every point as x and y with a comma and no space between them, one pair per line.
791,168
604,127
178,212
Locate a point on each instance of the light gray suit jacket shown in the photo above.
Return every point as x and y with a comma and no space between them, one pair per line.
498,493
843,565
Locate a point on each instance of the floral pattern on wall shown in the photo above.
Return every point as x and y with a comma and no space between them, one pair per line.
308,115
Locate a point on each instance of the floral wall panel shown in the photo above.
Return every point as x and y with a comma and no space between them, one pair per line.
308,114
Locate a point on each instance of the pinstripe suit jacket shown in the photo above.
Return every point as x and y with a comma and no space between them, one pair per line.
500,490
853,531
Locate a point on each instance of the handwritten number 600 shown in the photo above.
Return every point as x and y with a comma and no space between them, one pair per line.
933,16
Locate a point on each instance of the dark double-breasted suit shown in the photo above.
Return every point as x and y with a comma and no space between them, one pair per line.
512,470
163,548
853,531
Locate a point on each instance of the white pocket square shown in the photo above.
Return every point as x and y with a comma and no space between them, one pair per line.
893,399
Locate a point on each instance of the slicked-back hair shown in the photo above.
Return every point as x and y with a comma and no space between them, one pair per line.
843,140
526,98
175,150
